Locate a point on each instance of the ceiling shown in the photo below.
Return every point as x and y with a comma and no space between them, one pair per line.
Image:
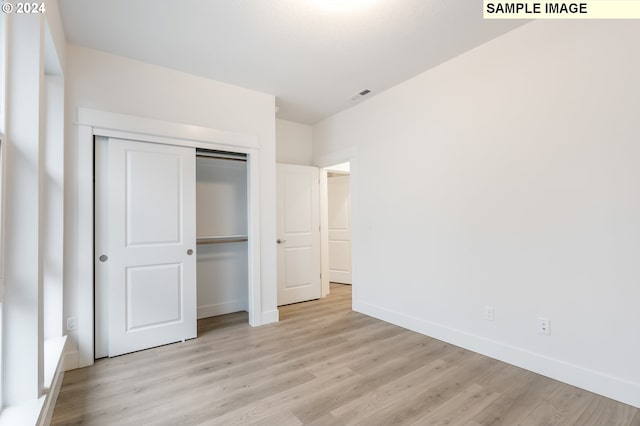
313,55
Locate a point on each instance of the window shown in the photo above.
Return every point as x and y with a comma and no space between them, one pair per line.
3,69
32,209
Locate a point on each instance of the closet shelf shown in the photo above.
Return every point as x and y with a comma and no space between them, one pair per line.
220,240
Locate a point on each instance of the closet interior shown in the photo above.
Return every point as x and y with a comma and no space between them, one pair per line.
221,230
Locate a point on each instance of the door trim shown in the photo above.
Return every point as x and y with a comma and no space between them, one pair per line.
93,123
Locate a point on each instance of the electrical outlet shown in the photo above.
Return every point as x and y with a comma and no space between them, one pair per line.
544,326
488,313
72,324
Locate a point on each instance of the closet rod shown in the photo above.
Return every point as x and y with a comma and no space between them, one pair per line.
220,240
221,155
221,158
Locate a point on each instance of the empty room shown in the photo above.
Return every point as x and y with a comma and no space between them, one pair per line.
319,212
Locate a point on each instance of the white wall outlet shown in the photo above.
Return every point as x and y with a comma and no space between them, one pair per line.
544,326
488,313
72,324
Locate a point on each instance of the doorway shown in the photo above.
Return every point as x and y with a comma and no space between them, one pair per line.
337,246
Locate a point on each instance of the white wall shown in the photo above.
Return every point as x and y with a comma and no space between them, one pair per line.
115,84
509,177
293,143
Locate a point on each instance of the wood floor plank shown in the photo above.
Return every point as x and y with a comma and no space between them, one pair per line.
378,373
523,388
288,400
467,369
563,406
460,408
602,411
386,396
321,365
184,408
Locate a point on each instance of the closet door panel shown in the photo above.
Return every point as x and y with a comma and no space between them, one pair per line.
150,245
153,179
166,285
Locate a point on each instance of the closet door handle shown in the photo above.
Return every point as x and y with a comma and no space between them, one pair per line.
281,241
189,252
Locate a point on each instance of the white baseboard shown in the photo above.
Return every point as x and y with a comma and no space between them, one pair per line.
224,308
594,381
70,360
270,316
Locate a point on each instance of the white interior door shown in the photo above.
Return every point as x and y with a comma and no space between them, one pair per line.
338,199
298,228
150,244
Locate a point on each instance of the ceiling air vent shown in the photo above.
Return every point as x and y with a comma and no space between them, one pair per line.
360,95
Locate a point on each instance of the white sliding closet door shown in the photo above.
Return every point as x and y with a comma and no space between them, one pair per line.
149,243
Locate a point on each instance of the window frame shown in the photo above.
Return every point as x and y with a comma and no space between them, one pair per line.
3,101
3,84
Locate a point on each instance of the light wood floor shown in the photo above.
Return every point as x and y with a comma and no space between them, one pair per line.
321,365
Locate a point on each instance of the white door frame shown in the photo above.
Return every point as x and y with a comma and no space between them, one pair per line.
338,157
93,123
